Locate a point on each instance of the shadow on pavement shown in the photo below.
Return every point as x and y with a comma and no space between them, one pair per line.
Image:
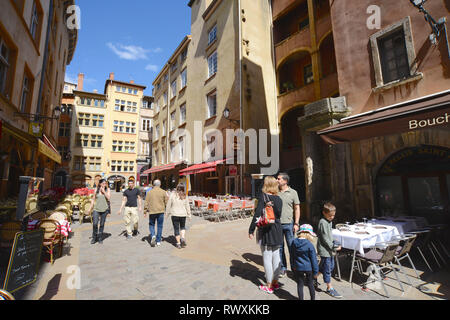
254,258
247,272
52,287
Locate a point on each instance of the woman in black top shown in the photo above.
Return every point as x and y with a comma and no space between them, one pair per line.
269,237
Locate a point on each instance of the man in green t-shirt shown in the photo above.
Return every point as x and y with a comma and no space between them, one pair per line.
290,215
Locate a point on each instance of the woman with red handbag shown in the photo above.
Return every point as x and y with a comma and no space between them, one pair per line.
269,235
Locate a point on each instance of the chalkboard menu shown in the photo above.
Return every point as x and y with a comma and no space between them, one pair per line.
24,260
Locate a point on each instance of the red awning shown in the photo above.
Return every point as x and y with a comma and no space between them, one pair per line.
163,167
424,113
202,167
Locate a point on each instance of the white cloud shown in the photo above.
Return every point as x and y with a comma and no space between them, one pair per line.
152,67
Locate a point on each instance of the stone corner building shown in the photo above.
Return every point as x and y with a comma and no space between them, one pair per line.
380,145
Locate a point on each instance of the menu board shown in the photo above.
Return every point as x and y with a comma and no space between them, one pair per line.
24,260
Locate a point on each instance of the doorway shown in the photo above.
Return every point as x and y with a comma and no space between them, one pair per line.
231,185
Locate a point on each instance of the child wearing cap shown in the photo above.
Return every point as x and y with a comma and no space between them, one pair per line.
326,248
304,260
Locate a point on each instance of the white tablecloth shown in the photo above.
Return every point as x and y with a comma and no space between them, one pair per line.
353,241
403,226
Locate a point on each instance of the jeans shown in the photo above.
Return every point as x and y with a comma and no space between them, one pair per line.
271,259
288,233
305,278
326,266
96,216
178,223
153,219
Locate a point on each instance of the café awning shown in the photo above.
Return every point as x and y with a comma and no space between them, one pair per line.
202,167
163,167
46,148
427,112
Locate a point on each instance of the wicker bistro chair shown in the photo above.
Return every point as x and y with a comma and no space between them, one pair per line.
436,234
52,238
59,216
8,232
380,257
84,211
38,215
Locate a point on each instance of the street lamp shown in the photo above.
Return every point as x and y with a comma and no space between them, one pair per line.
226,115
437,27
56,113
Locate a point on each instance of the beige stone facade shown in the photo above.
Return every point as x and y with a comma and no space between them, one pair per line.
32,79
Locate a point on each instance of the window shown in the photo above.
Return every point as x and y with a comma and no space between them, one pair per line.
5,63
146,124
172,151
145,148
164,128
163,155
130,91
212,64
183,77
211,146
36,21
26,88
79,163
156,158
165,98
120,105
124,90
144,104
172,120
173,67
134,108
158,108
173,87
64,129
88,101
212,104
157,132
85,140
308,76
212,35
393,55
84,119
135,92
82,100
183,113
102,103
181,144
166,77
118,88
184,55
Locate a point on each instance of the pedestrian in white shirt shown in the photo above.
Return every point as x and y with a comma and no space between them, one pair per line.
178,209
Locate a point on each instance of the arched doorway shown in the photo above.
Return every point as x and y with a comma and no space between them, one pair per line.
116,182
415,181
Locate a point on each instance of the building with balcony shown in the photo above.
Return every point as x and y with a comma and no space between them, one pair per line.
306,72
35,47
382,146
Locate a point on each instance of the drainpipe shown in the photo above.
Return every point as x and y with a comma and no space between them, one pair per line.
240,89
44,63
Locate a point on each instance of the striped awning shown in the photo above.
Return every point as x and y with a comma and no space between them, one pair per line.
201,167
163,167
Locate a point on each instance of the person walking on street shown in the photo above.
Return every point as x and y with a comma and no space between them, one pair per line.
269,237
155,206
132,203
101,209
178,209
290,215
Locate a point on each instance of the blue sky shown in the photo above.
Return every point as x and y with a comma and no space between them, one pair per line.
133,39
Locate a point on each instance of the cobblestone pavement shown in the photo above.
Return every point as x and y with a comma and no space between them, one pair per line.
219,263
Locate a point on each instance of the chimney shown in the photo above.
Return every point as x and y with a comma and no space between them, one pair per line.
80,82
111,76
95,91
132,81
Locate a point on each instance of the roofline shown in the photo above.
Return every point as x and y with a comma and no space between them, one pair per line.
186,40
75,92
124,83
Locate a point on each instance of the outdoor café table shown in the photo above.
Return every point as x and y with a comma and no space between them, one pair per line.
216,205
403,225
362,236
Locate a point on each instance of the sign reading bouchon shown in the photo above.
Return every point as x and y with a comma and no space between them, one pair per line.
430,122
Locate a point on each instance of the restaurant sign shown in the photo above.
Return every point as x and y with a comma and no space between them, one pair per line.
430,122
49,152
36,129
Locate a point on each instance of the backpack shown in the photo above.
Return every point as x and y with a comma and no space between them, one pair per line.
268,215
